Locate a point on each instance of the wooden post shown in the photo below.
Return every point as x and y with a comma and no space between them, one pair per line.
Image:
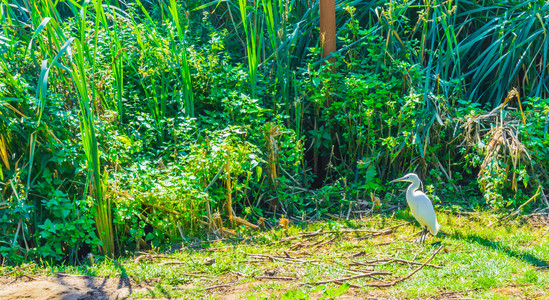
327,27
321,156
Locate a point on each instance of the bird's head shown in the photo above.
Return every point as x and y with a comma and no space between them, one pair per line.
410,177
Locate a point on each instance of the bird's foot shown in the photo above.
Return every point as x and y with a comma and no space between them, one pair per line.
422,236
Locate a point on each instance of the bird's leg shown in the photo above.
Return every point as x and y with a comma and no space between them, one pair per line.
425,233
422,236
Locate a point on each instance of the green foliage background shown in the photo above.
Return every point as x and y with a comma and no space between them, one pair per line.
128,125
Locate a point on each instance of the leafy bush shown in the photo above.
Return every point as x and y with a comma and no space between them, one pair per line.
164,112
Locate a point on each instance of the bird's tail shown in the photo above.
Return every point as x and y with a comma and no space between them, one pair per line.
437,229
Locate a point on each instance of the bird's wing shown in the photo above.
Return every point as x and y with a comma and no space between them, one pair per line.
422,209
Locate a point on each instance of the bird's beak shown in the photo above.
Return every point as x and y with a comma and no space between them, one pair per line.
396,180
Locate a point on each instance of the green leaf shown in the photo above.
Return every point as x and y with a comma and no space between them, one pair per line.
259,172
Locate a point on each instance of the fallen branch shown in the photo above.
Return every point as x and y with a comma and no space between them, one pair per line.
241,221
387,284
350,278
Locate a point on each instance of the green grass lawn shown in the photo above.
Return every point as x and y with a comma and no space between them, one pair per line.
479,259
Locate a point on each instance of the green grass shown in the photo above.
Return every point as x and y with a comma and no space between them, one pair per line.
481,260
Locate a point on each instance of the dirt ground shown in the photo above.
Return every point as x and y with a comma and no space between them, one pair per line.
71,287
74,287
65,287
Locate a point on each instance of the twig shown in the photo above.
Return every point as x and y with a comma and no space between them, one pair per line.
350,278
19,269
195,275
388,261
384,284
350,284
238,273
455,292
518,284
277,277
326,242
220,286
273,258
320,232
385,232
215,178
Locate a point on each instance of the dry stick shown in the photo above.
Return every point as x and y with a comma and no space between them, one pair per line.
271,258
399,225
350,278
19,269
320,232
475,289
383,284
412,262
388,261
387,231
455,292
195,275
238,274
318,245
277,277
350,284
220,286
253,261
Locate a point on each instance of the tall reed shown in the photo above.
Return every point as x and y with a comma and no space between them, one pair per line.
253,29
183,62
103,218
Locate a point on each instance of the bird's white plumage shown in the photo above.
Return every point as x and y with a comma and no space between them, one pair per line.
422,209
420,205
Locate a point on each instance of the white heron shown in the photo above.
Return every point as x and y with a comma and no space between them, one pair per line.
421,206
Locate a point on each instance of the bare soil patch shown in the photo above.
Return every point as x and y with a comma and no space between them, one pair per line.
71,287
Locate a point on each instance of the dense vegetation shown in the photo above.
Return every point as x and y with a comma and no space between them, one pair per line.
127,125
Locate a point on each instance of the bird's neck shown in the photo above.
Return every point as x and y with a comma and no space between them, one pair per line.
411,189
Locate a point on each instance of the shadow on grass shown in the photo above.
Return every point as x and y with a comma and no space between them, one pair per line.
527,257
500,247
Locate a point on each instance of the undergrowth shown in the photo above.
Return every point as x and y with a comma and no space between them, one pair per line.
131,126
